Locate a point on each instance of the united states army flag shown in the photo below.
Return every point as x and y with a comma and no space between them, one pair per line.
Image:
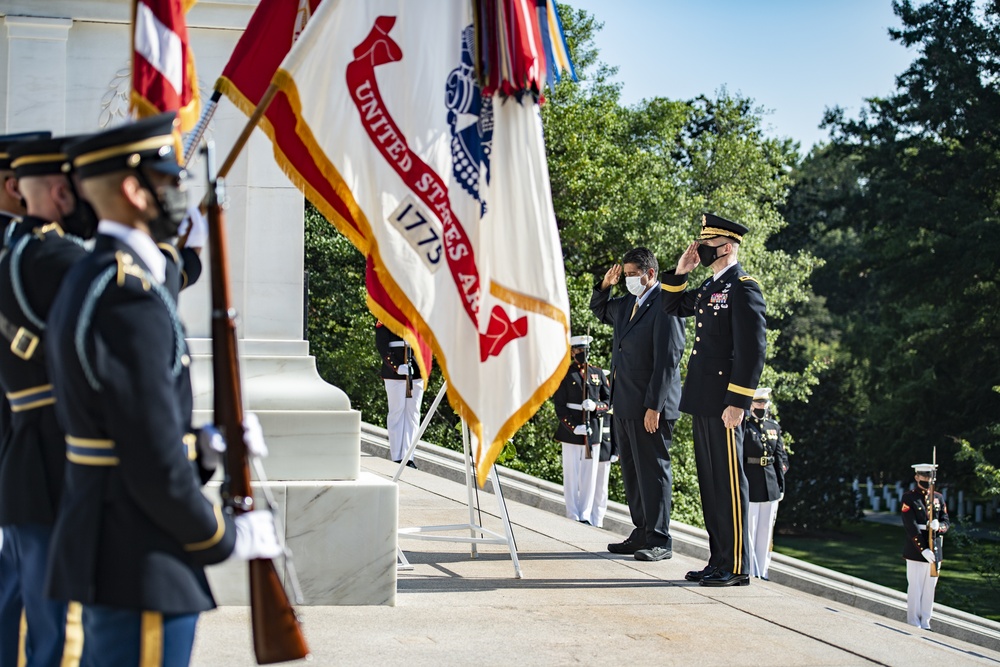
451,192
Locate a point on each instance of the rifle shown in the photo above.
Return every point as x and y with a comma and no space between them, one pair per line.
588,454
277,635
931,534
407,355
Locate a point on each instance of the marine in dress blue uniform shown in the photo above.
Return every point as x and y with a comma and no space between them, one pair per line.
403,418
917,509
581,401
723,371
133,531
45,244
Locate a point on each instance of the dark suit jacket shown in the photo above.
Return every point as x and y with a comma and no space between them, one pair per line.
645,354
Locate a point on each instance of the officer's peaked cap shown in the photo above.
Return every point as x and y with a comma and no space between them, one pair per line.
762,394
580,341
41,157
149,143
713,226
924,468
8,140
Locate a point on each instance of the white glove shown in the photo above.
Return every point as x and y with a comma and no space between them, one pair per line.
211,446
614,458
196,226
256,536
253,436
581,430
589,405
781,497
935,524
403,369
928,555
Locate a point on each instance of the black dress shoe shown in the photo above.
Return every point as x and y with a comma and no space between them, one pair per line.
626,547
654,554
698,575
722,578
411,464
584,521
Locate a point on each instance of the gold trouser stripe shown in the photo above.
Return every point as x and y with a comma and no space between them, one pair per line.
739,504
742,391
214,539
673,288
22,634
73,644
151,639
734,486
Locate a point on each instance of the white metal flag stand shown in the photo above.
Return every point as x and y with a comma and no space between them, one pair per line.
477,533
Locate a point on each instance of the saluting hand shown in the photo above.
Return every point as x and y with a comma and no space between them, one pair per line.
688,260
732,416
612,276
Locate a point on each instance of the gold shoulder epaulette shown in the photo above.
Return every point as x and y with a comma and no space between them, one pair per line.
128,267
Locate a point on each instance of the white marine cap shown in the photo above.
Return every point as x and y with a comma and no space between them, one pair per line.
580,341
924,468
762,394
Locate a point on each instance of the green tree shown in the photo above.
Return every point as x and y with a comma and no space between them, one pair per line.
925,326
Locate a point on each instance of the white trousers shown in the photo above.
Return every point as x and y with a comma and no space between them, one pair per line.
760,530
403,419
579,480
919,593
600,507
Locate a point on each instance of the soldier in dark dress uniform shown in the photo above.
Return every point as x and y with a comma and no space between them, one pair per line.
723,371
43,247
916,510
581,401
766,464
11,210
133,530
399,365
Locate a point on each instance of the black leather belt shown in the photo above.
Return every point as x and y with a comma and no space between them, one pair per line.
23,342
764,460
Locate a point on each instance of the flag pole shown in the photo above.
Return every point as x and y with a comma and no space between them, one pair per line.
237,148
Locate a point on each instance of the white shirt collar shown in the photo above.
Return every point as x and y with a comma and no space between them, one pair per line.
724,269
141,243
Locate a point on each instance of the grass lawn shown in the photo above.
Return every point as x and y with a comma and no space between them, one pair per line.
872,551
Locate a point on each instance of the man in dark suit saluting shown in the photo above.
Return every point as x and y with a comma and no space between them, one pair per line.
645,393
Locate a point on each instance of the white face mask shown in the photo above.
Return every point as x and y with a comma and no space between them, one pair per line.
634,285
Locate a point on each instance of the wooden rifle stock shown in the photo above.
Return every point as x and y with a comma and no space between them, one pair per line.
277,636
409,370
932,534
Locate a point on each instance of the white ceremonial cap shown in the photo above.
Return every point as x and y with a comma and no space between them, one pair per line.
580,341
924,468
762,394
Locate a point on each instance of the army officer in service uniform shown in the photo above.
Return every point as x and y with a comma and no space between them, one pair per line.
723,372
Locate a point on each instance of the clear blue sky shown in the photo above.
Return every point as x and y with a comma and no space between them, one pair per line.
793,57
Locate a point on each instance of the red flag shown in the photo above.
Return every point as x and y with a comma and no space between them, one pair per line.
163,74
272,30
